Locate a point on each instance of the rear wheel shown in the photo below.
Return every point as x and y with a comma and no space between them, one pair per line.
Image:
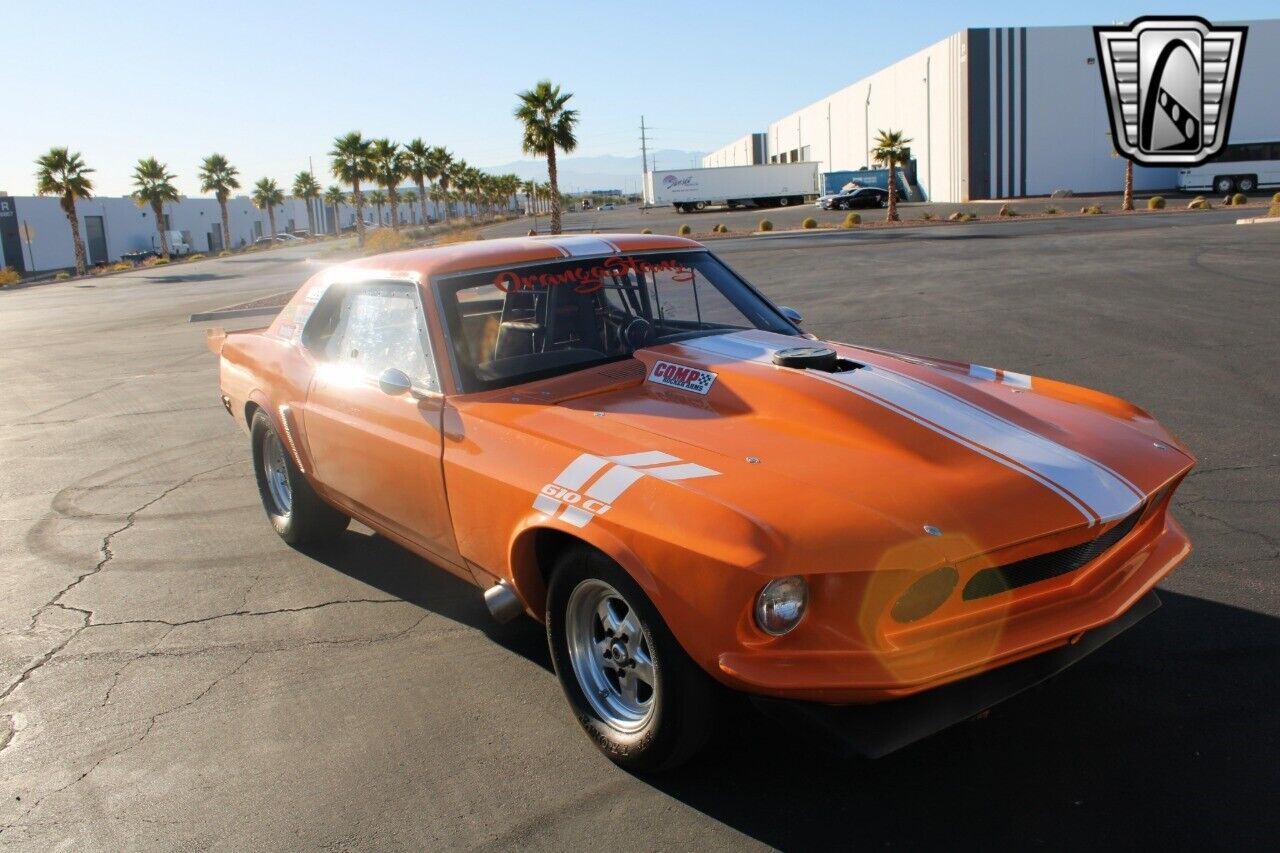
844,205
699,205
294,509
784,201
1224,183
637,694
1246,183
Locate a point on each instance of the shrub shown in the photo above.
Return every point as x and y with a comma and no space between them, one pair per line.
646,230
809,222
62,276
1156,202
968,217
1239,199
459,235
720,228
9,276
1274,210
1199,203
121,266
1006,210
956,217
1052,211
224,254
927,216
159,262
765,225
383,240
684,230
196,257
1091,210
851,220
1275,199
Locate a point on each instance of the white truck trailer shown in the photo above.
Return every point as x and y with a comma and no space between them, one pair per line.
771,185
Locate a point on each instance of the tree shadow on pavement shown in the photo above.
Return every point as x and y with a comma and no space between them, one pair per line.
1169,733
382,564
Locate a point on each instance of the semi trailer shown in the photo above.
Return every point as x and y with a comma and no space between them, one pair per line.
771,185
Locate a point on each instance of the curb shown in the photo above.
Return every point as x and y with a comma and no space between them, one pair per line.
235,312
1258,220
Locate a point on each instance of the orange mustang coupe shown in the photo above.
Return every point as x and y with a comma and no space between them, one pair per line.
622,438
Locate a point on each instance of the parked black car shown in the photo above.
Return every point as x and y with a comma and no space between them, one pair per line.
857,197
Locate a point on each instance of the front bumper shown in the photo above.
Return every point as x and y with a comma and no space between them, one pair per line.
877,730
1036,620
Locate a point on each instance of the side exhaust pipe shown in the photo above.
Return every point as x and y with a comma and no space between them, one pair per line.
502,601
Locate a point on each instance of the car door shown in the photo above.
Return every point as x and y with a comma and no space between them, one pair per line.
373,412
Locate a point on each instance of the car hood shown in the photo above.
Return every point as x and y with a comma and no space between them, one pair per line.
909,458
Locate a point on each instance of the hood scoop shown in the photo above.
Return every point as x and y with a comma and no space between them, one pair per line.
820,358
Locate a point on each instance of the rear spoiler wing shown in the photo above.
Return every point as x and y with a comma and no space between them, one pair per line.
214,338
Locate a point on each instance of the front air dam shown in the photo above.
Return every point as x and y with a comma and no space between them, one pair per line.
873,731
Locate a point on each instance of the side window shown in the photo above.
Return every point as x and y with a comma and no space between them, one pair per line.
370,327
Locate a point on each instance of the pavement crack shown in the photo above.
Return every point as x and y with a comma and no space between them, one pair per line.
251,613
151,724
106,556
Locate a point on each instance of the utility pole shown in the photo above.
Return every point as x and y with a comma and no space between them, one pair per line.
644,162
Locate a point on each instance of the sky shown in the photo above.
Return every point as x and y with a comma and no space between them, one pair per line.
269,84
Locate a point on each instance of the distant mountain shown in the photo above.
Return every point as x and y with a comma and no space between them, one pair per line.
579,174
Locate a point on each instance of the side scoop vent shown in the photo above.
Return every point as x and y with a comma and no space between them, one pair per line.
813,358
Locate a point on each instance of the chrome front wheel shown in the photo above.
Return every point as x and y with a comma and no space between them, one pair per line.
611,656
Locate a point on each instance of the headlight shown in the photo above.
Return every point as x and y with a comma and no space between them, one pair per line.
780,605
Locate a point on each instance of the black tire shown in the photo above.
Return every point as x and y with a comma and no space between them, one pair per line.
307,519
1247,183
699,205
685,698
1224,184
785,201
844,205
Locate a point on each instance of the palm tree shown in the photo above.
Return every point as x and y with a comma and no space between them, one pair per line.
377,199
335,196
891,149
388,170
548,125
350,163
63,173
1127,204
442,167
306,188
419,168
528,188
266,195
410,198
155,187
219,177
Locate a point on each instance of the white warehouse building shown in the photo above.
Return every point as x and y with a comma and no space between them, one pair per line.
998,113
35,236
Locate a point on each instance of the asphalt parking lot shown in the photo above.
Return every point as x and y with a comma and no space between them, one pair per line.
172,676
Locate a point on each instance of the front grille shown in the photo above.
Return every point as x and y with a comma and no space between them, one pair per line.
1042,567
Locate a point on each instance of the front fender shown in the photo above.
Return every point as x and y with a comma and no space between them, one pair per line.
527,574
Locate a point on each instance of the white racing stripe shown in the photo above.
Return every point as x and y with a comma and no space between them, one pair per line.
1093,489
581,246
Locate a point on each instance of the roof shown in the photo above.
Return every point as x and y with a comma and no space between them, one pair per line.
481,254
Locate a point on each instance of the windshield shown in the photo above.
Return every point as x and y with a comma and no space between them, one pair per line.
524,323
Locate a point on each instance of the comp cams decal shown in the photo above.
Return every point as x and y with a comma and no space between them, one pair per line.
682,377
576,502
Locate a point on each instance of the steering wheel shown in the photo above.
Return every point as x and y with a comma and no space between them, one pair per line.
637,333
